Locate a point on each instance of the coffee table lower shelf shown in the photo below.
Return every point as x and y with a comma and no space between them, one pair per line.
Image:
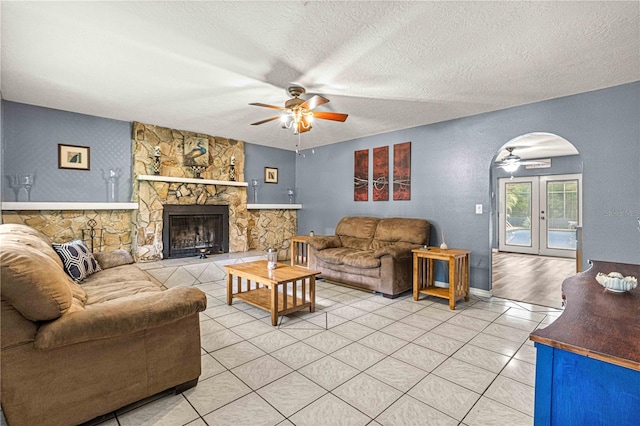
261,298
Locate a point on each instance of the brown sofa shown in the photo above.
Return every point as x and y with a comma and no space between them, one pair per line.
370,253
72,352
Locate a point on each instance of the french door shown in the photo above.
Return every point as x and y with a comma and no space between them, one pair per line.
539,214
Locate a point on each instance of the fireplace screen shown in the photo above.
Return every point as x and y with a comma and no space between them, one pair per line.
195,230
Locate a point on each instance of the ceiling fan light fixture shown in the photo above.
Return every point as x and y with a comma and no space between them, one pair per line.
511,167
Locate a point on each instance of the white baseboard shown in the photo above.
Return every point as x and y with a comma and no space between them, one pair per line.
480,292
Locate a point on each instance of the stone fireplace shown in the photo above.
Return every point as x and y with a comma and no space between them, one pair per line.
177,185
194,230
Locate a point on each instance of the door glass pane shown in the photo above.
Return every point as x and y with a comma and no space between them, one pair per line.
562,214
518,214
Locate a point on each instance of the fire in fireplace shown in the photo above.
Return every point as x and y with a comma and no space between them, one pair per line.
195,230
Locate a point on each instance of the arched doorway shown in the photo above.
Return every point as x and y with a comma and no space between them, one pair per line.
536,182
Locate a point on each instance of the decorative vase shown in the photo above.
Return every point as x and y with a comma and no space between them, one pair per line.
444,245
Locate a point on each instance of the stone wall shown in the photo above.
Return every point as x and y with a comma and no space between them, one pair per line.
113,228
152,196
272,228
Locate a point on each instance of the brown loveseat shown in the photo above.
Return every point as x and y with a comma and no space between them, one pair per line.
371,253
72,352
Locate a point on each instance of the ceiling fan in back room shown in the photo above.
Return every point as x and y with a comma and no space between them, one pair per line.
512,162
298,114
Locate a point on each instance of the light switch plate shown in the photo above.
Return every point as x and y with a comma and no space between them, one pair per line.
478,208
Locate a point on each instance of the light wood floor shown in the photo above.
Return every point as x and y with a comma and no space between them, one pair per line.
529,278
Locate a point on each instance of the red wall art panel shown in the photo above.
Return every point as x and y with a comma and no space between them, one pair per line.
381,173
402,171
361,175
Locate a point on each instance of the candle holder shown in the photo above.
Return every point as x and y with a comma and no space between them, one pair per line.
272,258
156,160
19,181
255,183
197,170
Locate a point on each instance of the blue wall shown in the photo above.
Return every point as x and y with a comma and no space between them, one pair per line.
30,140
257,157
451,164
30,144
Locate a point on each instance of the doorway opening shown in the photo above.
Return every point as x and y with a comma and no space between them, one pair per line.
536,186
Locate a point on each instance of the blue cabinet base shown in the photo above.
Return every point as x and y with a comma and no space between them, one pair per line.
576,390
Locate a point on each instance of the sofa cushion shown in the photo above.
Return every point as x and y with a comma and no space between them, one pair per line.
333,255
32,282
393,230
324,242
116,274
357,232
78,261
118,290
110,259
29,236
361,259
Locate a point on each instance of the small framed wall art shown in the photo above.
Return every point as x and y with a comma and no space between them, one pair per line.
270,175
74,157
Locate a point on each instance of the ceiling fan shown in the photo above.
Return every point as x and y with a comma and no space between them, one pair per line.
512,162
298,114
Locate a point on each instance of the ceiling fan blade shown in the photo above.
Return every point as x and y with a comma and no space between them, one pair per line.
265,121
334,116
314,102
268,106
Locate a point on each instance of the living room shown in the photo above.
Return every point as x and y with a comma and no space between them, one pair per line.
450,167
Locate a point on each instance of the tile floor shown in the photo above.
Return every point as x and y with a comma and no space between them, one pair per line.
360,359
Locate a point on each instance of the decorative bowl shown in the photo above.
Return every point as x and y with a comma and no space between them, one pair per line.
617,283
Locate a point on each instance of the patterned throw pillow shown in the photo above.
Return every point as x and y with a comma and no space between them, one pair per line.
77,259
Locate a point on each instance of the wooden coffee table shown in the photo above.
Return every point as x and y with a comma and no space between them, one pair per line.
281,291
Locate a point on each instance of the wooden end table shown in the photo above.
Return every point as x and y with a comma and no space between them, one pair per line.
423,279
299,253
269,289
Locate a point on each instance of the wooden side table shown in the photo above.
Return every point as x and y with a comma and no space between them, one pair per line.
299,254
423,279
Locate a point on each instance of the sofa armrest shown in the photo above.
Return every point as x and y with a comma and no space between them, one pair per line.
325,242
122,316
396,251
111,259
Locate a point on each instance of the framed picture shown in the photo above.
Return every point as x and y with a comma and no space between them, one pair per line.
74,157
196,152
270,175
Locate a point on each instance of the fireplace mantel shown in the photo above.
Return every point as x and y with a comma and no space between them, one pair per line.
158,178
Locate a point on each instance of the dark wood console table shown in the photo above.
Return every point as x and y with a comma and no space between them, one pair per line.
588,360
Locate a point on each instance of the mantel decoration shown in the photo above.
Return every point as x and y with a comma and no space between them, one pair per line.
19,181
270,175
255,183
73,157
196,152
156,160
232,168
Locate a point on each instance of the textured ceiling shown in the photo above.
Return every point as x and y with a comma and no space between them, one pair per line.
389,65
